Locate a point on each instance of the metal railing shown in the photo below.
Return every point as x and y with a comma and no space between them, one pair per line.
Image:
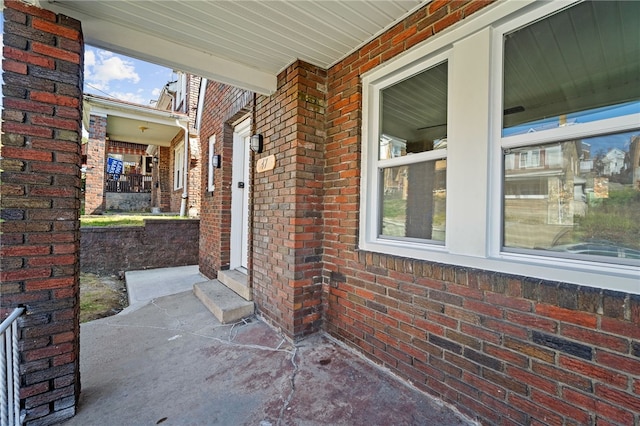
9,371
128,183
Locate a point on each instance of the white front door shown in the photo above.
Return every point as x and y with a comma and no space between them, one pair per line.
240,196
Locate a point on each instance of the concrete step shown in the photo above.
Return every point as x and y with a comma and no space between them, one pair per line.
236,281
226,305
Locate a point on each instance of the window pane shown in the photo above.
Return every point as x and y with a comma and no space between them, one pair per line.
579,65
575,197
414,201
414,114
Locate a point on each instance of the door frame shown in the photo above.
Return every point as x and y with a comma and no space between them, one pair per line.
239,247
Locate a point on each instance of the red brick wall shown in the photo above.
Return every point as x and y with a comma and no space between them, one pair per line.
193,93
165,179
41,158
196,167
287,209
503,349
175,197
96,165
224,105
194,188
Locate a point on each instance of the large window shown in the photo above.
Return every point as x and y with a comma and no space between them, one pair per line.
575,193
511,142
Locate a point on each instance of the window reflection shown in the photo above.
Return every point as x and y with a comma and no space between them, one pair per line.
413,121
579,197
576,66
414,201
595,114
414,111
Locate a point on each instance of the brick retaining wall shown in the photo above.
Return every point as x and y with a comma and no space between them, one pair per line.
158,244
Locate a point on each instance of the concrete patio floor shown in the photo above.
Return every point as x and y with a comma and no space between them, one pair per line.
171,362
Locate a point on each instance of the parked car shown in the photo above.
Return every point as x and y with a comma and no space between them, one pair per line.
599,248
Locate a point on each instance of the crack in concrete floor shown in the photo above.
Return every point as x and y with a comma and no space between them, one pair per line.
292,380
251,375
229,341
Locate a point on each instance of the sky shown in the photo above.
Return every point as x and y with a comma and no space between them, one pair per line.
598,144
124,78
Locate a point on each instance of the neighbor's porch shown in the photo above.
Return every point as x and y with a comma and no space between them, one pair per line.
129,163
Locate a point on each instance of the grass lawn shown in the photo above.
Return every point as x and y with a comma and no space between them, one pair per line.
120,219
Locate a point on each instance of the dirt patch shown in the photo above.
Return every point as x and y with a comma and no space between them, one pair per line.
101,296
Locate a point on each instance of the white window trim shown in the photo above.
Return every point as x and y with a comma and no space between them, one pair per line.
211,170
474,219
375,165
178,165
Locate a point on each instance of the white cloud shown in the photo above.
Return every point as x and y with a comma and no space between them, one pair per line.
102,68
136,98
110,74
89,58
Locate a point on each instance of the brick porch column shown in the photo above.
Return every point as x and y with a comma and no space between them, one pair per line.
94,194
164,179
288,283
39,247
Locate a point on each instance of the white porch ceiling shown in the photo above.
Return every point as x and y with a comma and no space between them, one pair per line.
245,43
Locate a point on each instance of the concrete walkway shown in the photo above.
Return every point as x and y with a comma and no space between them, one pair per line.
171,362
144,286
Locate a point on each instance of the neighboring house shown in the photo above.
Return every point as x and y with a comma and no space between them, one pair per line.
135,154
182,96
634,155
614,162
543,193
507,331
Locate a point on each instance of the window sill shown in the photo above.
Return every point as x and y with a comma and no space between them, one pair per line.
623,278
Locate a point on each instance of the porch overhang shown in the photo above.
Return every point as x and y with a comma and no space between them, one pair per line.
244,44
135,43
127,122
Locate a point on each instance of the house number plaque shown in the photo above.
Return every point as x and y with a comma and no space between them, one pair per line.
266,163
